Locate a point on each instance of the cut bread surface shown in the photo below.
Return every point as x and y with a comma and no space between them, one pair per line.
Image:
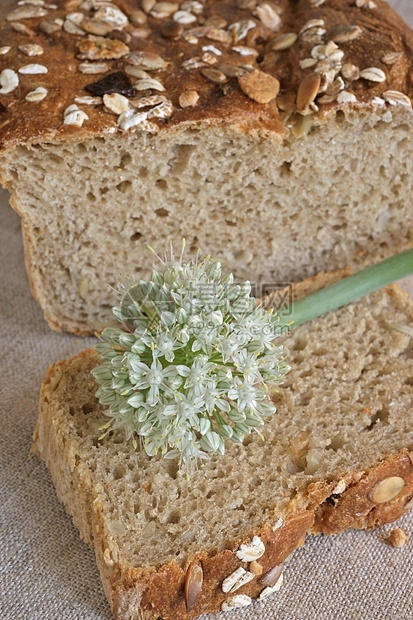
274,208
350,392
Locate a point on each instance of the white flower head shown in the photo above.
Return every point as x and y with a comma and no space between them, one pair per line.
191,364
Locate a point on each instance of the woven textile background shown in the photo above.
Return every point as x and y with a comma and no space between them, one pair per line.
48,573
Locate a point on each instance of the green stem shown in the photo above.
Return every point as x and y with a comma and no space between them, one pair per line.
349,289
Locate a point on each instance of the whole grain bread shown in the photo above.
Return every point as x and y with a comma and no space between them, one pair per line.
275,135
337,454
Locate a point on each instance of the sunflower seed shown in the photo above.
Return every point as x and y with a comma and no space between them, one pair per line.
141,33
51,26
23,29
394,97
270,590
136,72
216,21
284,41
94,26
5,50
147,5
9,81
138,18
161,10
344,33
373,74
37,95
71,5
231,71
213,75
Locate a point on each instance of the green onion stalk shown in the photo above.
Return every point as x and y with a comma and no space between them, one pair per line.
351,288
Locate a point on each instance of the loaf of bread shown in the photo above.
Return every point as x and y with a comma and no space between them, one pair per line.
337,454
273,134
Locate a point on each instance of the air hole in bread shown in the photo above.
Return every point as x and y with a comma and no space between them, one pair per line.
162,212
340,117
125,160
173,517
124,186
118,473
285,169
161,184
181,154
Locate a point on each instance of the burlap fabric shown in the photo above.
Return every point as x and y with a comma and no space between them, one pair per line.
48,573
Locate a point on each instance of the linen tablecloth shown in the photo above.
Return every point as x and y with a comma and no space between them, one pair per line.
48,573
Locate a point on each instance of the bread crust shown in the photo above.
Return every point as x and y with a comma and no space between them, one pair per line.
328,506
24,122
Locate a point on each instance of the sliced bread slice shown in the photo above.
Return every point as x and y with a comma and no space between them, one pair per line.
335,455
288,155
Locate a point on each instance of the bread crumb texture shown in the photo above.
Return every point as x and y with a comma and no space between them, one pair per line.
274,135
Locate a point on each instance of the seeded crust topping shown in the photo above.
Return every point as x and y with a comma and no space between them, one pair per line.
255,62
